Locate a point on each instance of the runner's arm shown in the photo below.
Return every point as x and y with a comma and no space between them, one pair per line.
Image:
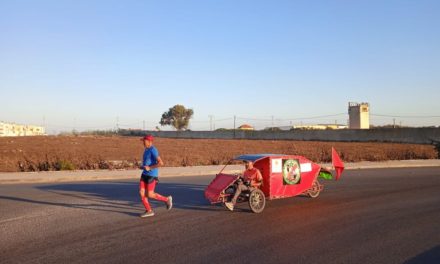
159,164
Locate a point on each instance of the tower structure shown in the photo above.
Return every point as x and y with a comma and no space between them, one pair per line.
359,115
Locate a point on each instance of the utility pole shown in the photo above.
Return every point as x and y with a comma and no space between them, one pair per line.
44,124
117,123
143,125
234,125
210,121
394,123
272,125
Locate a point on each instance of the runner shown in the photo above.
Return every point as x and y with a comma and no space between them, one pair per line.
151,161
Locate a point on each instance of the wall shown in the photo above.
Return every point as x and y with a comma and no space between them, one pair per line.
398,135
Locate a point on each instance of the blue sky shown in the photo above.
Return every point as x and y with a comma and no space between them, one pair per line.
88,64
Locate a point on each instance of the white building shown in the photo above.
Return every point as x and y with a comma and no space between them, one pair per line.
320,127
359,115
15,130
309,127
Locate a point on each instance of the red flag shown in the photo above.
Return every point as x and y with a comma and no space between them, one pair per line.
337,163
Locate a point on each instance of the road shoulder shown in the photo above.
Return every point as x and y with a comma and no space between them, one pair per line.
98,175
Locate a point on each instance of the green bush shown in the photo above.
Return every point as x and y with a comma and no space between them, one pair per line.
64,165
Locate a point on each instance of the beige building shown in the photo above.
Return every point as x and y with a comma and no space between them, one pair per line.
359,115
246,127
15,130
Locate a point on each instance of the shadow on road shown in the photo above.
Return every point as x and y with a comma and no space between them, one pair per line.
186,196
119,197
430,256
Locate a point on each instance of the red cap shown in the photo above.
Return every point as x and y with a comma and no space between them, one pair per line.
147,137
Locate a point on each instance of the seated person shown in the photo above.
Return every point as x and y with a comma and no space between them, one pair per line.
251,179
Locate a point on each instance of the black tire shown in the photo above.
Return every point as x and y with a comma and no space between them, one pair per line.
257,201
315,190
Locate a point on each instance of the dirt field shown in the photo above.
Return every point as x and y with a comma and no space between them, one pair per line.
96,152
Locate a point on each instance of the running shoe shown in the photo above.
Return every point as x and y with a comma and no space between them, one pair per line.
147,214
169,203
230,206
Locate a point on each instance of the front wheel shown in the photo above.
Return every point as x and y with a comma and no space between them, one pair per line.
257,201
315,190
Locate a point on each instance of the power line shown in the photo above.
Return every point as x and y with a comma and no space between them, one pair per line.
132,124
234,119
409,116
291,119
83,127
207,121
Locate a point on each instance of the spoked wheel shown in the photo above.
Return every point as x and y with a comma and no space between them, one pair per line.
257,201
315,190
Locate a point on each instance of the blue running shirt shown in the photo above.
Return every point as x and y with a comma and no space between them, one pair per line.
149,159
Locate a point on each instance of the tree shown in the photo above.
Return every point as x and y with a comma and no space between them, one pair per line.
177,116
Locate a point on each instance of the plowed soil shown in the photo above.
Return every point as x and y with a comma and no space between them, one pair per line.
98,152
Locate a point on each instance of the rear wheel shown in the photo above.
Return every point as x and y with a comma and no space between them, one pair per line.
257,201
315,190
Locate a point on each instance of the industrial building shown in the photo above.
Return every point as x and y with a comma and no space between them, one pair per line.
320,127
359,115
246,127
16,130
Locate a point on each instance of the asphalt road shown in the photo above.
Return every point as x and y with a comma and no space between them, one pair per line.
369,216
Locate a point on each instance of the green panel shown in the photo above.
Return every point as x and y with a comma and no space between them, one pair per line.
325,175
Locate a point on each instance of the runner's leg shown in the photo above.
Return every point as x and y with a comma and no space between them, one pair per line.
143,198
151,194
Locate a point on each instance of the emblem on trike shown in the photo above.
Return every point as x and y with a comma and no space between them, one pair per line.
291,171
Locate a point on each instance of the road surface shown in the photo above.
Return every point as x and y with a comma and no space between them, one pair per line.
369,216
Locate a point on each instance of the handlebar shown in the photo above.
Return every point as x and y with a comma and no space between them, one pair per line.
241,180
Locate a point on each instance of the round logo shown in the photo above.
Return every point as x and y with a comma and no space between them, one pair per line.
291,171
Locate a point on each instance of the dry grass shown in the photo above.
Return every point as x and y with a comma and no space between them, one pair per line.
98,152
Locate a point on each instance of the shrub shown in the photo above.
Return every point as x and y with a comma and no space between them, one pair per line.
64,165
437,148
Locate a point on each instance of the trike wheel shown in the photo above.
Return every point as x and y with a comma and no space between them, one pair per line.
257,201
315,190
